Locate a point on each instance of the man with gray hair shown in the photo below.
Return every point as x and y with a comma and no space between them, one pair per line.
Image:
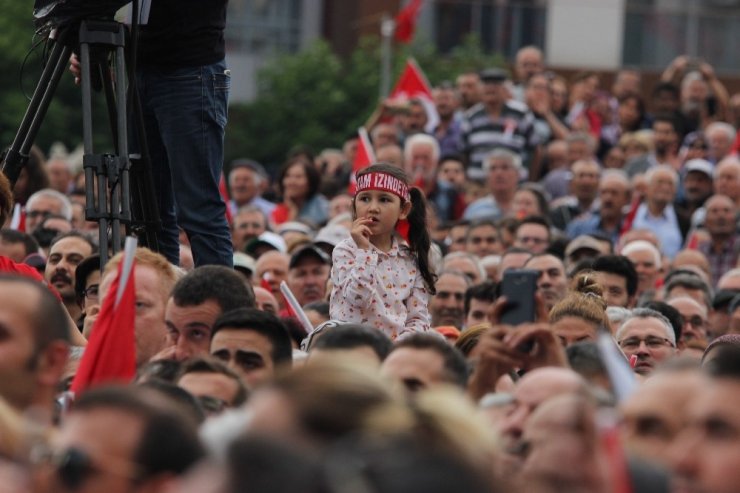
421,160
647,261
720,137
246,183
657,214
504,169
45,203
467,263
647,338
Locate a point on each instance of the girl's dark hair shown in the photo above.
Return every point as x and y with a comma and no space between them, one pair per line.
419,240
312,175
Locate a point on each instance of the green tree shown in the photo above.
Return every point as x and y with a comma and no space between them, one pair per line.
317,99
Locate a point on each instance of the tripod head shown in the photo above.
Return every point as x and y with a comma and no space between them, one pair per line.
55,13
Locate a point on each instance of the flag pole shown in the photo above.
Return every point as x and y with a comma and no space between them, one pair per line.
387,27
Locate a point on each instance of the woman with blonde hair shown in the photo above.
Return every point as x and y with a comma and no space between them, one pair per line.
582,313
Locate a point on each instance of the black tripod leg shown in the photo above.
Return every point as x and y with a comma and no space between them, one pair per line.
16,156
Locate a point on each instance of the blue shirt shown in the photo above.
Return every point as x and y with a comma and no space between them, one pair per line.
665,227
591,224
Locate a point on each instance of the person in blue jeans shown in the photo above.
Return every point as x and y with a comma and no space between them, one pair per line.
183,84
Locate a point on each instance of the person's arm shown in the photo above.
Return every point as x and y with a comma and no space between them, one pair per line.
75,336
675,69
718,89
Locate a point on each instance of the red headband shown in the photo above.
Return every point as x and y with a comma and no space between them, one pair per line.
384,182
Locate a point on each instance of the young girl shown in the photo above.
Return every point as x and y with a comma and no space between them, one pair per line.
379,280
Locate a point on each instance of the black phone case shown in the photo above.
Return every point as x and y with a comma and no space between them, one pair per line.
519,287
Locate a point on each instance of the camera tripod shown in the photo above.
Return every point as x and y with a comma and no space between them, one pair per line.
125,193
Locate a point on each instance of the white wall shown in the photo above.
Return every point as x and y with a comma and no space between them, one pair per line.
585,33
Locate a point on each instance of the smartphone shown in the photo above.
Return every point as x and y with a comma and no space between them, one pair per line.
519,287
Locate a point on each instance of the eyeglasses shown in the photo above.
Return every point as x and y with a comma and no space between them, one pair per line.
532,239
74,466
91,292
651,342
696,321
35,214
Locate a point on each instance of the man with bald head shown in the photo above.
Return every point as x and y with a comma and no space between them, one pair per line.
723,247
271,269
657,214
647,261
656,412
614,195
727,179
528,62
530,392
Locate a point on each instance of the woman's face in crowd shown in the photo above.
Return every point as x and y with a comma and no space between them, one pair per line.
295,182
525,204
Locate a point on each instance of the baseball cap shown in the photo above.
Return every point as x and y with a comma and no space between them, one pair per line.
244,262
295,227
309,251
700,165
272,240
493,75
581,242
249,163
332,235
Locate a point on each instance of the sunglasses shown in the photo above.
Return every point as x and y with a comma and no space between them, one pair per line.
74,467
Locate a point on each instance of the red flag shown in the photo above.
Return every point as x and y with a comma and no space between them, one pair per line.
413,84
630,217
110,354
364,157
224,191
406,21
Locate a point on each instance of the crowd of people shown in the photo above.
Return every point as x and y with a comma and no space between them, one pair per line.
402,375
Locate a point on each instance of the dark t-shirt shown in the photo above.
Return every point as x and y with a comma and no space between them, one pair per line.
183,33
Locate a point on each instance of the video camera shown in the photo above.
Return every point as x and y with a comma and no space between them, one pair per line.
60,12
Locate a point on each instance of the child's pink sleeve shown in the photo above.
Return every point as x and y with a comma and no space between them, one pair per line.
353,275
418,319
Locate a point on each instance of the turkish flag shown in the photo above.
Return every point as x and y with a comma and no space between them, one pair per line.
406,21
364,157
413,84
224,191
18,221
110,354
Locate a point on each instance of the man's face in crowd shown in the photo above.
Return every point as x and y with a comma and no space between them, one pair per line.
18,359
446,102
706,455
647,339
477,313
64,257
502,176
483,240
418,369
494,93
552,283
149,322
189,327
615,289
585,182
42,208
415,120
720,216
656,413
272,267
244,185
247,225
308,279
614,195
528,63
447,306
719,144
697,185
452,171
579,150
646,267
98,435
533,237
245,351
421,162
384,135
457,236
661,188
469,88
14,251
694,317
265,301
727,179
665,136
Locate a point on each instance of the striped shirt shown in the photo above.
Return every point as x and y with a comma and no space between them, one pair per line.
513,129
